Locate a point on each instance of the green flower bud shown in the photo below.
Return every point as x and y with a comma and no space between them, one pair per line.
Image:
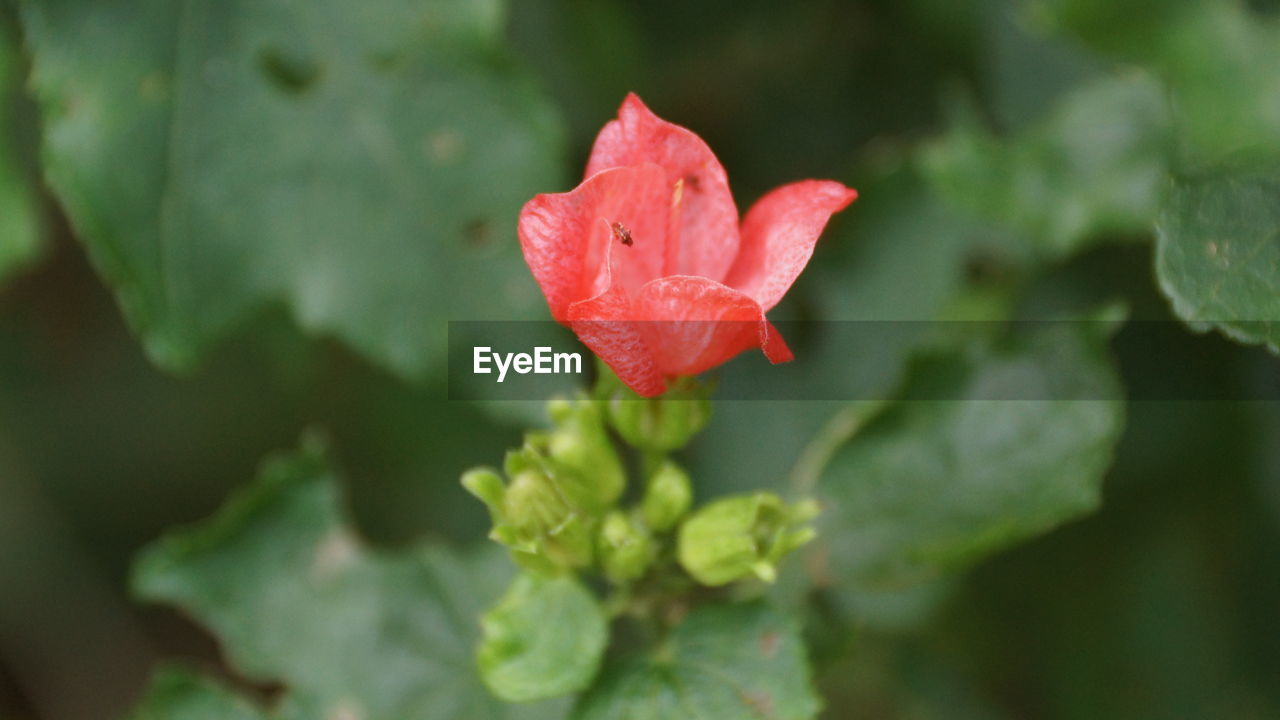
743,535
571,544
667,497
625,550
534,506
663,423
531,516
582,456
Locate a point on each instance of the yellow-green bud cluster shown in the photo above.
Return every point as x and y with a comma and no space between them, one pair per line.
558,508
559,485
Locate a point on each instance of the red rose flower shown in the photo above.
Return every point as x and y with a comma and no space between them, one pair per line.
645,260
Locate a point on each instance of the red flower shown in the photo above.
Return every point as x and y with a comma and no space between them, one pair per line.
646,262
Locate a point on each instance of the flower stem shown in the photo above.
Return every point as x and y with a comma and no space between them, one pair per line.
839,430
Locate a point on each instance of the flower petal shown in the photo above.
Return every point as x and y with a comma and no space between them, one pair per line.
705,220
778,235
604,324
692,324
569,241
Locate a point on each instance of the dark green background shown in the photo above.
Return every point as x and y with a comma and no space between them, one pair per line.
1163,604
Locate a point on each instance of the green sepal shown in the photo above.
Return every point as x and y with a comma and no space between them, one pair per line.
742,536
660,424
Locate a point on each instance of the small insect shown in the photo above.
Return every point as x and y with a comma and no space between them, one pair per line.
621,232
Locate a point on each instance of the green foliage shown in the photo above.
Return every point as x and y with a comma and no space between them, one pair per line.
357,167
1219,58
908,232
296,597
935,484
19,225
546,636
720,663
1095,166
346,162
1218,254
177,694
543,639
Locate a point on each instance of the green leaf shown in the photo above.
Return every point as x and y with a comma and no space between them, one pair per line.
361,163
1025,70
295,597
1018,447
177,694
721,663
900,258
544,638
1124,29
1219,58
19,224
1218,253
1097,164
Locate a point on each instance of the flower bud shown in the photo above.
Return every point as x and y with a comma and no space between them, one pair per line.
625,549
531,516
533,505
743,535
667,497
581,455
663,423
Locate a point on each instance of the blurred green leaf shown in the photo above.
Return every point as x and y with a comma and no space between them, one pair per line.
900,254
1019,446
544,638
19,225
1095,165
720,663
1223,65
1218,253
884,270
1219,58
361,164
181,695
296,597
1026,70
1121,28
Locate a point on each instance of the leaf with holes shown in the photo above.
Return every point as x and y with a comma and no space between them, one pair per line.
720,663
297,598
994,446
360,163
1218,253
